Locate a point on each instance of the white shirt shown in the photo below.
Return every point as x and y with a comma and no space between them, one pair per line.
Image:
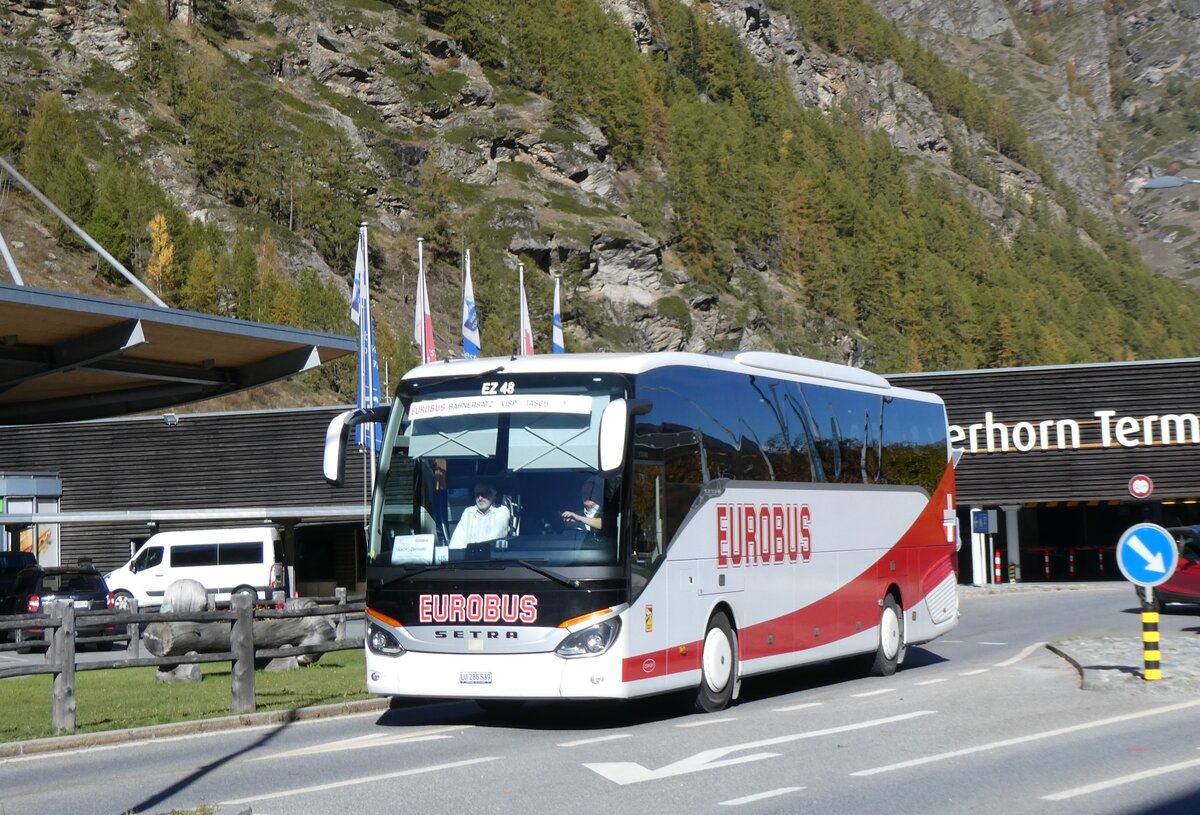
476,526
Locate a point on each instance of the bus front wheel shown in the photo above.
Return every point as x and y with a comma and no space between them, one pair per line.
718,665
891,639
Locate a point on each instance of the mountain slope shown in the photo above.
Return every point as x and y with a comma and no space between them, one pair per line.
711,176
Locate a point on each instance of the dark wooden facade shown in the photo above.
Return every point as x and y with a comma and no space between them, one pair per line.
262,462
1094,472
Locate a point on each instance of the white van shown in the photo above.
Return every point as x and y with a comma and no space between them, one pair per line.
224,561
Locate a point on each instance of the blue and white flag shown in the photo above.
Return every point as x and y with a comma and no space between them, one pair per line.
470,318
367,434
558,337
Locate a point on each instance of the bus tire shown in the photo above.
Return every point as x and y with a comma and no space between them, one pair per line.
718,666
891,638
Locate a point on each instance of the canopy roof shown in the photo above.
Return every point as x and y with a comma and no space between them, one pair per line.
67,357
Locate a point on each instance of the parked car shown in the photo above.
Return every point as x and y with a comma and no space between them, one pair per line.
11,563
37,587
1184,585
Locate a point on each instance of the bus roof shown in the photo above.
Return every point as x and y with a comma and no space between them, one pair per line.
633,363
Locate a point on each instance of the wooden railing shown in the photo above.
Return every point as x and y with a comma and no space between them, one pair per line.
60,623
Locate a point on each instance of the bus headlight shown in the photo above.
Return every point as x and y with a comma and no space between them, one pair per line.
381,641
591,641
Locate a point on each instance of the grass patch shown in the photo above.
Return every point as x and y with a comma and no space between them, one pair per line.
130,697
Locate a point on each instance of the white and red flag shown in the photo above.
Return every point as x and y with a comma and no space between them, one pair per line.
526,341
423,324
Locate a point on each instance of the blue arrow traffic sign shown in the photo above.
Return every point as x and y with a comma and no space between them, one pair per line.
1147,554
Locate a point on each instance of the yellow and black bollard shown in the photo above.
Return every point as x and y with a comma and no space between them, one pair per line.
1151,655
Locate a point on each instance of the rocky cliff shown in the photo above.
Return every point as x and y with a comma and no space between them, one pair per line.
1102,87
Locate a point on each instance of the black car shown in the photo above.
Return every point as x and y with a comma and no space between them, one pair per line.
11,564
37,588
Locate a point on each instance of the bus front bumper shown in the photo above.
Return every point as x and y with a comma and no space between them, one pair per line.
496,676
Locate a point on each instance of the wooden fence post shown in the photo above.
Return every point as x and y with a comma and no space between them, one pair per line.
241,643
62,657
133,649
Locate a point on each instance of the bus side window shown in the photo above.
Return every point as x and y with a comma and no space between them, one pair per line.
647,503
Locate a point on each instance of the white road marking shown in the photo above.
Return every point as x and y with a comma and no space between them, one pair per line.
596,740
804,706
1026,651
932,681
370,740
628,772
1125,779
975,672
370,779
1045,734
749,799
992,643
705,721
879,692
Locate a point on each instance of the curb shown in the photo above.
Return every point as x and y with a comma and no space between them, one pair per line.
967,590
161,731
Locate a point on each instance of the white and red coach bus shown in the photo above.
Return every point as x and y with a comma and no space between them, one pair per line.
755,511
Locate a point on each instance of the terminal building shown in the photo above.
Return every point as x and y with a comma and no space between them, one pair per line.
1062,459
1057,462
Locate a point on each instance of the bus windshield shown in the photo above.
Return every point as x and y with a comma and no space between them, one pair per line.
495,469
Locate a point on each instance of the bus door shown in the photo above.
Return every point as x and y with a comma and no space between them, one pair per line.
649,621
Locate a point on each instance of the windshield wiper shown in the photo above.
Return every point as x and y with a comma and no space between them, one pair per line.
569,582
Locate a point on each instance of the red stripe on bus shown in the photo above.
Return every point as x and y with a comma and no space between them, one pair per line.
849,609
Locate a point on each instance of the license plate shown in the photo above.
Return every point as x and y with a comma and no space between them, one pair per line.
83,604
475,677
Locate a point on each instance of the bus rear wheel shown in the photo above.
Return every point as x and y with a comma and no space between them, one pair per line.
891,639
718,666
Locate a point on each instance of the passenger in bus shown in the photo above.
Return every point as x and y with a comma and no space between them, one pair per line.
592,494
483,521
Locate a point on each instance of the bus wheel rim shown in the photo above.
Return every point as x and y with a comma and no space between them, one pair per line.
889,633
718,660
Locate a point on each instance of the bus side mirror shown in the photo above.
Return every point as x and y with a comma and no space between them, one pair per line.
334,463
338,433
614,426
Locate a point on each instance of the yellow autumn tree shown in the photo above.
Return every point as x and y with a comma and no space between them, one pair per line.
160,271
278,296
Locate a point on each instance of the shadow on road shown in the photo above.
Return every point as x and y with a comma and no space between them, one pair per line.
179,786
612,714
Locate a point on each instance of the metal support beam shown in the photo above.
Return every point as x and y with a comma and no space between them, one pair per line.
85,237
77,352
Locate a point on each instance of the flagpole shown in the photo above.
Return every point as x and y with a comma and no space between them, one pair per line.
366,434
373,364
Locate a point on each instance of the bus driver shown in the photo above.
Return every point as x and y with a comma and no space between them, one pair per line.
483,521
591,494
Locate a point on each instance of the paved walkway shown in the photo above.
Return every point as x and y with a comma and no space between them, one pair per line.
1116,663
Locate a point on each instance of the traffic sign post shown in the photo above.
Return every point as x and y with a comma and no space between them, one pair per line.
1147,555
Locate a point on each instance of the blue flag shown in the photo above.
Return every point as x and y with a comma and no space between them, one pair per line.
470,319
367,434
